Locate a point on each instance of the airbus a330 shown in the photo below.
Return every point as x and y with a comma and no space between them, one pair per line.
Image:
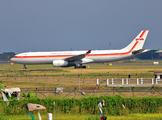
78,58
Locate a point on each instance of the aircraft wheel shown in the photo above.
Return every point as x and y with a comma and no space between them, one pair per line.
25,67
83,66
75,67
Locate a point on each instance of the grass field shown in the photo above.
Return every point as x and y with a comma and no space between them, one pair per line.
9,73
141,68
49,76
86,117
17,77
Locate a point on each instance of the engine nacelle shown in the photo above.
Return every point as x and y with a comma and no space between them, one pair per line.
60,63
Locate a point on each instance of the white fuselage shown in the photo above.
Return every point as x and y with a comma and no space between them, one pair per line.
97,56
73,58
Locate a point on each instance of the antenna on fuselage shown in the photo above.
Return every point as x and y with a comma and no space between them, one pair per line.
110,45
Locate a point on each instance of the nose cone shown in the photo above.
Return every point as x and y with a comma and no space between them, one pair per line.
12,59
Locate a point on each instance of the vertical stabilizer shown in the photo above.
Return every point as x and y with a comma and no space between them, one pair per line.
138,42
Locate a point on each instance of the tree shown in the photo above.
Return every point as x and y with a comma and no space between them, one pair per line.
6,56
148,55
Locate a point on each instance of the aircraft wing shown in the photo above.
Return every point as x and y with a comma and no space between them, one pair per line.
77,57
139,51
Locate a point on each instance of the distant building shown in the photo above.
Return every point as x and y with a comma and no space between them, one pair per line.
157,74
159,52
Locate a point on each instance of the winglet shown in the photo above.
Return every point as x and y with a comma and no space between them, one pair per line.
77,57
89,51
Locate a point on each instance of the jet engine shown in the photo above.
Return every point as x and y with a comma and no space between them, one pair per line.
60,63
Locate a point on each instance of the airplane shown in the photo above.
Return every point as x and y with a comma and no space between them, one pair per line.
78,58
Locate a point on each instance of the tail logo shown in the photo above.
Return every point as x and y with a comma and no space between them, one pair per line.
138,39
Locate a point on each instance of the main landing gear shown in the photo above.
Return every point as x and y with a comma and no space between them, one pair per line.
24,67
79,66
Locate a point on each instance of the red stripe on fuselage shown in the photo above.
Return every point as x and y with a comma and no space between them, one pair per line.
65,56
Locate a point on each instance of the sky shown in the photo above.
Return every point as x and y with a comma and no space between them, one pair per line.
63,25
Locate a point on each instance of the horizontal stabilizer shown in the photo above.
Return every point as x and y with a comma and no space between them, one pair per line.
138,51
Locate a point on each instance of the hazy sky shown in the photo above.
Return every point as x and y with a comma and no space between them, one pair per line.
52,25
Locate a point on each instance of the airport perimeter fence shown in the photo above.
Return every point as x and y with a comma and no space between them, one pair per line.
77,88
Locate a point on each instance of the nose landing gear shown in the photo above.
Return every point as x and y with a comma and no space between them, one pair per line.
24,67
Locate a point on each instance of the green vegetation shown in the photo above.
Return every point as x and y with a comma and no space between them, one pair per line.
6,56
85,117
113,105
149,55
30,95
70,109
1,85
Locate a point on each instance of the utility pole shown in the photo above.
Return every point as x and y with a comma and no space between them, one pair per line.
79,80
54,109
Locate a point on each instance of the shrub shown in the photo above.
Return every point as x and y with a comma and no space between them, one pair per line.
113,105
